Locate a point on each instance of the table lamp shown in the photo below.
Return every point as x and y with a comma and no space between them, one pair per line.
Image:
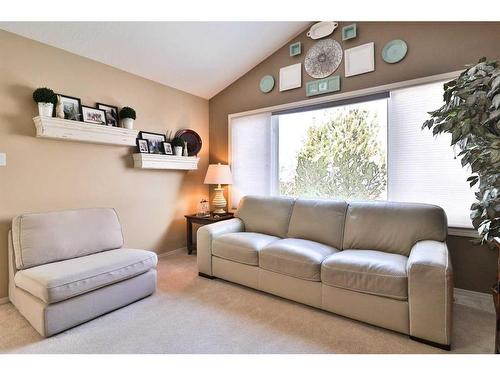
218,174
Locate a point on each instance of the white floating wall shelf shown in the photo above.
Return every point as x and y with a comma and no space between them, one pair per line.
56,128
156,161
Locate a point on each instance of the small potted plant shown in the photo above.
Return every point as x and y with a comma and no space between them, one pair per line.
178,145
45,98
127,117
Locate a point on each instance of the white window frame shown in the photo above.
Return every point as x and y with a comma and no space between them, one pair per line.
464,232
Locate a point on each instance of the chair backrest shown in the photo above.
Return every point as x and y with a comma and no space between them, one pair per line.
318,220
393,227
268,215
50,237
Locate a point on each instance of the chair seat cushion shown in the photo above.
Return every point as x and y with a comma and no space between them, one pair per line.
58,281
367,271
241,247
295,257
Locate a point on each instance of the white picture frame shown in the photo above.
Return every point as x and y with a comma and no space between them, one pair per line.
360,59
291,77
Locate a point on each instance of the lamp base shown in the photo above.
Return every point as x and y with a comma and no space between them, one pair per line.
219,202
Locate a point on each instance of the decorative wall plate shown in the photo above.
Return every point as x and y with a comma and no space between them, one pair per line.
266,83
349,32
321,29
295,49
394,51
291,77
193,140
323,58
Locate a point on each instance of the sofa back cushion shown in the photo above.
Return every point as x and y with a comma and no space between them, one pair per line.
55,236
268,215
392,227
318,220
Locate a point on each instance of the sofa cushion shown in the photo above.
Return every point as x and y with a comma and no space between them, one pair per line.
54,236
318,220
392,227
59,281
367,271
295,257
242,247
268,215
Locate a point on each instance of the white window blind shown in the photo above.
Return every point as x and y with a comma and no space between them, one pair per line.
421,167
252,156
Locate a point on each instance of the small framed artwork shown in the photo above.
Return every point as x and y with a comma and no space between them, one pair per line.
360,59
155,141
323,86
111,113
72,107
349,32
291,77
93,115
167,148
295,49
142,146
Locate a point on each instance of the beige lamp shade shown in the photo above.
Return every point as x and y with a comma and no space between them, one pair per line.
218,174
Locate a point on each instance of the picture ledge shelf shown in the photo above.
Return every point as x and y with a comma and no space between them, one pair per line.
56,128
156,161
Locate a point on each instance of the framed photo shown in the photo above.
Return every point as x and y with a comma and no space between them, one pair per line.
72,107
142,145
155,141
291,77
111,113
359,60
167,148
93,115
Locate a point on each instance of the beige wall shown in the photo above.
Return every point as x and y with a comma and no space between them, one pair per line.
43,175
434,47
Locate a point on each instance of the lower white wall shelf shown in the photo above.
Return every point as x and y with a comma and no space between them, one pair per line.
156,161
56,128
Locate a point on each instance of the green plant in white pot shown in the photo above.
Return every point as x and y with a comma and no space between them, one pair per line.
127,117
45,98
178,145
471,114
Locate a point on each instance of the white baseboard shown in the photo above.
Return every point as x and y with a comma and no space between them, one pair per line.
176,251
4,300
477,300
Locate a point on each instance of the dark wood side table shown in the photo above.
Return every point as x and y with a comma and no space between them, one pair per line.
202,220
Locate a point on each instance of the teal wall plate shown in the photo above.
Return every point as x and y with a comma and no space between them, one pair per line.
323,86
394,51
295,49
349,32
266,83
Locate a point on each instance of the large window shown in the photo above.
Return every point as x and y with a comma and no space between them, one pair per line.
368,148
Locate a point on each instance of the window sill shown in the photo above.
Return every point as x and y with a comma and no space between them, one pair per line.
463,232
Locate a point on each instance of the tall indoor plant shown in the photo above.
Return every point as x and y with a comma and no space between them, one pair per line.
471,114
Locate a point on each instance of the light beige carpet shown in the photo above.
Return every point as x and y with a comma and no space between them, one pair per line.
189,314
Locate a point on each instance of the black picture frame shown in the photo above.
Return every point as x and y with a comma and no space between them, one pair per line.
67,116
155,141
144,142
110,120
167,148
95,109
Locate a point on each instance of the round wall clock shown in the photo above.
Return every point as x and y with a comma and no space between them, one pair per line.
323,58
266,83
193,140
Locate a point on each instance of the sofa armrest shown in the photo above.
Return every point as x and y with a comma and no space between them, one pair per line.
430,292
206,235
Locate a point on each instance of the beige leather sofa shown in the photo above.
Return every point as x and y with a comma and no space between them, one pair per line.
384,263
68,267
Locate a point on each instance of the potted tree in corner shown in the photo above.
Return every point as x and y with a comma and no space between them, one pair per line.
471,114
127,117
45,98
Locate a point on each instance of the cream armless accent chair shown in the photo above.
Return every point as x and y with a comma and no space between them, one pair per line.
68,267
384,263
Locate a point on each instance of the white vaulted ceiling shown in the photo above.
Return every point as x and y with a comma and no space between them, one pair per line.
201,58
